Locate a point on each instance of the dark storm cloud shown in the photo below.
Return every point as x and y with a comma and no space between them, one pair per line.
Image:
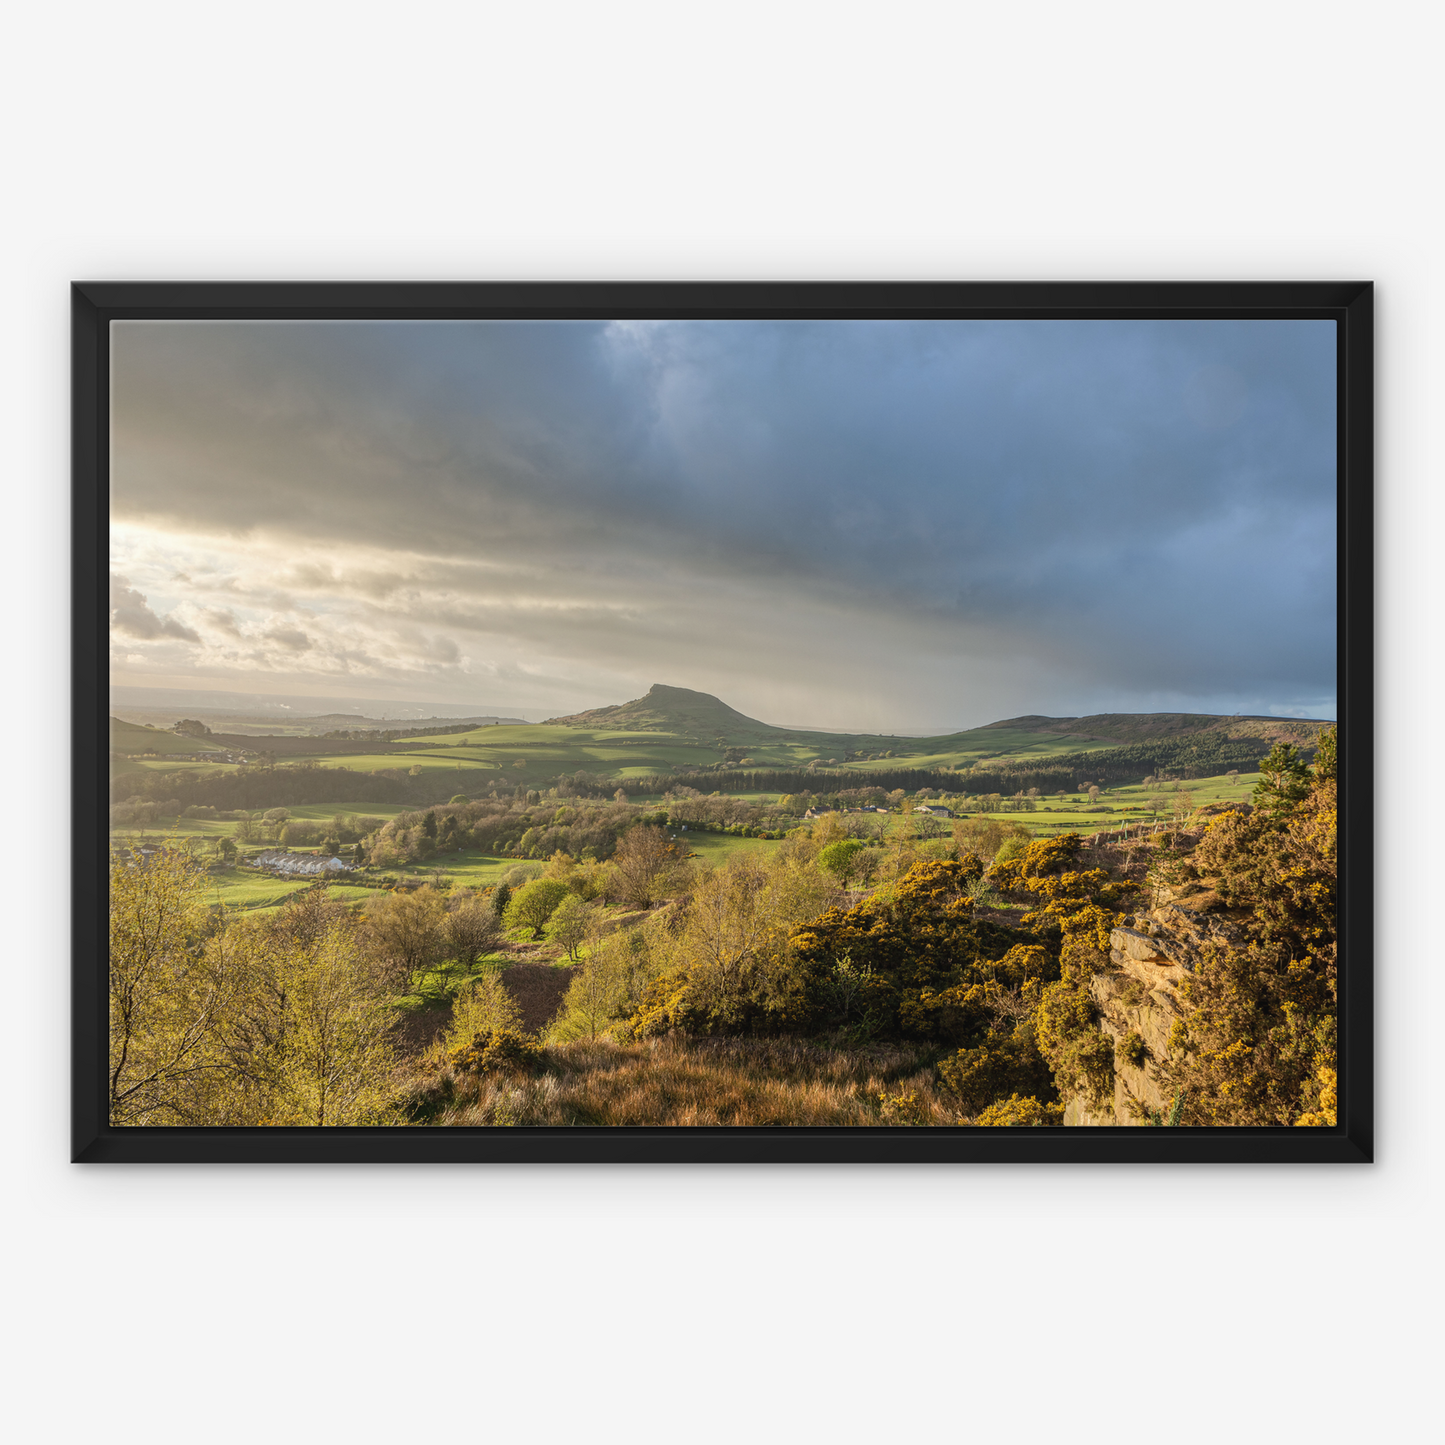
1139,509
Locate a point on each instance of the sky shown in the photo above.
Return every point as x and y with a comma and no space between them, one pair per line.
875,526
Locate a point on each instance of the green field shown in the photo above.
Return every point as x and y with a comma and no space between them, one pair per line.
225,827
325,812
718,847
1130,804
470,868
491,754
241,889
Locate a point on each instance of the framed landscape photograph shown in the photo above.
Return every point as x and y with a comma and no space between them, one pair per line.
722,722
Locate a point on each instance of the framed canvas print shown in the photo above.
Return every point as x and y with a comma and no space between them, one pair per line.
747,722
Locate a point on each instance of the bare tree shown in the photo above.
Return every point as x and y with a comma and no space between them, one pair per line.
472,929
644,860
405,929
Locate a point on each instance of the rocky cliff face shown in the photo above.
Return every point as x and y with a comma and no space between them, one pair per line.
1138,999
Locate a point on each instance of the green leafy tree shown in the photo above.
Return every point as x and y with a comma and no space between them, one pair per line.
841,859
1284,779
277,1020
572,921
332,1058
165,1003
534,903
601,992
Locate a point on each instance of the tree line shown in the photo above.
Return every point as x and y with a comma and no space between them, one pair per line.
1111,767
249,789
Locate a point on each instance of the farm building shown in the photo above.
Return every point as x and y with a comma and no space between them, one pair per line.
304,864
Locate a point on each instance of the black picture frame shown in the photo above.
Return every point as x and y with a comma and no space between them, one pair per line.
95,304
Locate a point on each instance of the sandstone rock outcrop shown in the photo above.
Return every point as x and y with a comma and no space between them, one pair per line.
1139,1002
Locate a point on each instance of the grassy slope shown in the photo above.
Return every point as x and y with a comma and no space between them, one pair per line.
126,738
701,1082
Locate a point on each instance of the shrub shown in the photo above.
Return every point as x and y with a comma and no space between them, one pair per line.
1002,1065
1082,1057
903,1108
1015,1111
602,992
482,1006
495,1051
1133,1050
1261,1012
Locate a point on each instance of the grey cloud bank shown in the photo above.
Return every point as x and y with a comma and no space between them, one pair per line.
907,525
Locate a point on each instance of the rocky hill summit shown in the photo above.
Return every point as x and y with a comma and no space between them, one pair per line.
669,709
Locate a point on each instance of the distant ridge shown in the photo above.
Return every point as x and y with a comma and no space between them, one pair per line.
1148,727
668,709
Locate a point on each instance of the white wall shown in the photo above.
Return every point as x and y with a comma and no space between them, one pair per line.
1255,139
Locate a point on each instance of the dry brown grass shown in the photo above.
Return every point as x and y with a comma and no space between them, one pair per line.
700,1082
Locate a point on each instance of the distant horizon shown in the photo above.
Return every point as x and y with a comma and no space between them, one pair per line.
285,707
